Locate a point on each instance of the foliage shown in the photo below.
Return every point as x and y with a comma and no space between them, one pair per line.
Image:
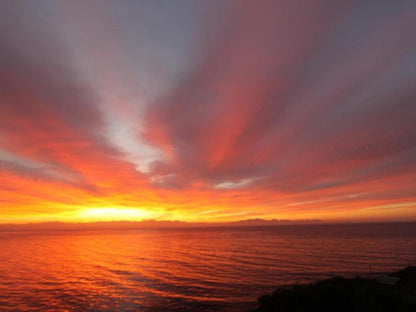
345,295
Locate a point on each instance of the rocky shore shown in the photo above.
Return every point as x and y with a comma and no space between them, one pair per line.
395,292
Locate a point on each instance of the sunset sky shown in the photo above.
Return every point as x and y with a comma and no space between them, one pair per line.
207,110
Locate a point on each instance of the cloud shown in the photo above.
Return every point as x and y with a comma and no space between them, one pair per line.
270,108
50,126
296,93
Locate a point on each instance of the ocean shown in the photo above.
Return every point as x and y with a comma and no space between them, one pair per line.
210,269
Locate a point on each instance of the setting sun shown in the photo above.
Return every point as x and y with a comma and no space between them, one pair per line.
114,214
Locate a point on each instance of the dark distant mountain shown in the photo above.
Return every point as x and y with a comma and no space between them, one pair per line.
263,222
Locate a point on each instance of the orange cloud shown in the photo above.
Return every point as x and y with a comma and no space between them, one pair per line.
286,111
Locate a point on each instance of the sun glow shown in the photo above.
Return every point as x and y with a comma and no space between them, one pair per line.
115,214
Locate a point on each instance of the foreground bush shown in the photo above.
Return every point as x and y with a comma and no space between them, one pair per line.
346,295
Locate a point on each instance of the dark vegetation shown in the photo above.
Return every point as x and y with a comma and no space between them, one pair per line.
346,295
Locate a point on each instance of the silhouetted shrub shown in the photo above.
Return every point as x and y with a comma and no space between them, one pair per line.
345,295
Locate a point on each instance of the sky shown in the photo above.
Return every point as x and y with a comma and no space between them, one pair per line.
207,110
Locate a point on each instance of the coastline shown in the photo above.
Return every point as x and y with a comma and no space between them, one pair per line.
391,292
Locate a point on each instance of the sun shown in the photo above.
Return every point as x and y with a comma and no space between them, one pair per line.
114,214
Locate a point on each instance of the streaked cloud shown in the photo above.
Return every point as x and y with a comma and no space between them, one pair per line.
215,110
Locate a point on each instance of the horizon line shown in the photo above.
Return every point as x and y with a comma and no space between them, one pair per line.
176,224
